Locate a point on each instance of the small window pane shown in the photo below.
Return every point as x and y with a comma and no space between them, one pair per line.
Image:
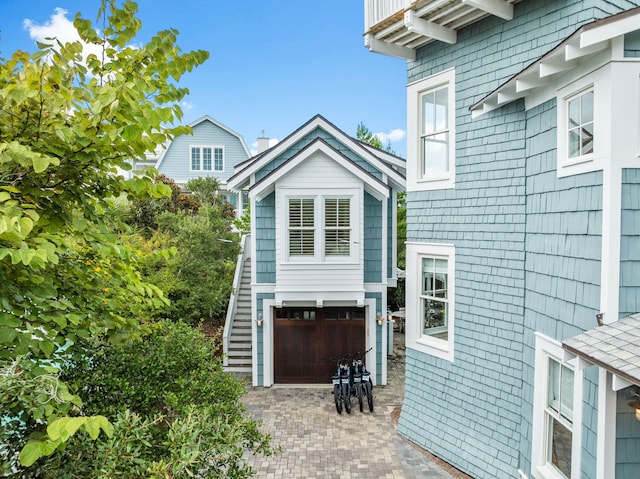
206,159
553,388
587,107
218,159
574,143
428,113
574,113
441,99
587,139
559,447
566,393
195,158
436,153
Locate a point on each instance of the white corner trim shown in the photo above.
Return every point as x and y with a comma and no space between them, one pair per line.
611,233
606,440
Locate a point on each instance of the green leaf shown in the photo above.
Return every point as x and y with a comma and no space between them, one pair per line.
7,335
31,452
4,196
40,163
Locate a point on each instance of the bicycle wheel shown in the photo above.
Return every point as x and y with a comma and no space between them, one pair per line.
346,396
369,387
337,396
359,394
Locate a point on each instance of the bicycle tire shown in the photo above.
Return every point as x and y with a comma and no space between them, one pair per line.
370,395
359,394
346,396
337,396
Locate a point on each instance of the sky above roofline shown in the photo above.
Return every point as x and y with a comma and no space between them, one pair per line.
273,65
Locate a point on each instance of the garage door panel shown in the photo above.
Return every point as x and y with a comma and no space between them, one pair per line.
301,346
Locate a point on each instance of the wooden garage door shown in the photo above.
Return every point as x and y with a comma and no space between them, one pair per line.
304,337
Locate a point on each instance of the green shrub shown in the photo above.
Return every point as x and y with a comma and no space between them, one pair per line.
175,413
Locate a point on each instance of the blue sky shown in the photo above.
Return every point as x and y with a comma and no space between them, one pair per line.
273,65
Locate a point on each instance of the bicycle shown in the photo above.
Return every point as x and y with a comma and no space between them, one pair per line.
362,380
342,384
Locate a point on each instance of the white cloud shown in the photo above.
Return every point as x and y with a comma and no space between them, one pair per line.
254,146
58,26
391,137
186,105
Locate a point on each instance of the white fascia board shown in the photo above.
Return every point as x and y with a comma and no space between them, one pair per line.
265,186
597,34
499,8
415,24
390,49
316,122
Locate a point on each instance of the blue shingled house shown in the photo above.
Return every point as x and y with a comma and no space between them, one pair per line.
523,232
312,279
212,150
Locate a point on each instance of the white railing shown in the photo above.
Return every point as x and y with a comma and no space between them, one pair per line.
377,10
245,244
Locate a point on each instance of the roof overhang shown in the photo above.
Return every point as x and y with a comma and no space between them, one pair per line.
614,347
589,47
397,28
266,185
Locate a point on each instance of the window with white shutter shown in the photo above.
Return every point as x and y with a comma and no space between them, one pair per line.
337,229
301,227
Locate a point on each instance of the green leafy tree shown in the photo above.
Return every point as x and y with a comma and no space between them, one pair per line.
363,133
68,122
144,212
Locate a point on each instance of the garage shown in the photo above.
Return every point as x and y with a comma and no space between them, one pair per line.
305,337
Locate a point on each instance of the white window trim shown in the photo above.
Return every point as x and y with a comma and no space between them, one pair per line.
213,161
319,254
546,348
415,338
599,83
415,180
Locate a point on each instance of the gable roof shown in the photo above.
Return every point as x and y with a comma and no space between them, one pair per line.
196,123
386,163
535,82
266,185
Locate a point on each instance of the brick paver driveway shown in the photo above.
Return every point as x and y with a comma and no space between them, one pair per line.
318,442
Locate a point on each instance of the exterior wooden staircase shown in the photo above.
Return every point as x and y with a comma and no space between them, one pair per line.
237,330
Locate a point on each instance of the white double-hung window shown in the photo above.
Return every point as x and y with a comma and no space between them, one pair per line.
431,132
207,158
557,413
430,298
320,228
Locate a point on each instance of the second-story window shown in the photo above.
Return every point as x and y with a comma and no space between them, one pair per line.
431,132
434,132
207,158
337,230
320,228
301,227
